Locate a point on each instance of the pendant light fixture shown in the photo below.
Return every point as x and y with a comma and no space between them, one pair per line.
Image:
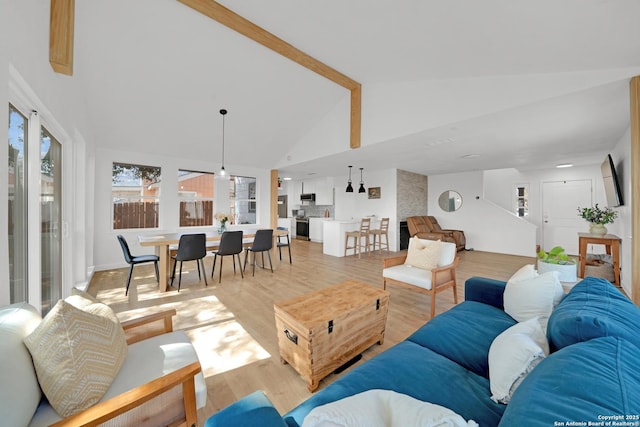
349,186
222,171
361,189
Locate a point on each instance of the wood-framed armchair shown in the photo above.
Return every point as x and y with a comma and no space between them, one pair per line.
159,383
430,282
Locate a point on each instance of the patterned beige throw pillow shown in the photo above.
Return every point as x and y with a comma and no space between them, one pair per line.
421,255
86,303
77,355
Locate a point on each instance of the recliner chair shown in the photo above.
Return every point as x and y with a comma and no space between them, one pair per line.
427,227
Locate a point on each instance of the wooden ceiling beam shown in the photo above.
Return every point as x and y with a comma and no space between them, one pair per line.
61,27
232,20
356,116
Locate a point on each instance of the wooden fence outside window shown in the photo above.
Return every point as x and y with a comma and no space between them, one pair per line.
135,215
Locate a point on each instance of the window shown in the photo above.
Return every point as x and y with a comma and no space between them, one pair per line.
135,194
195,191
242,193
521,200
17,209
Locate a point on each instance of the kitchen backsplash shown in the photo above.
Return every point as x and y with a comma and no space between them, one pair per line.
317,210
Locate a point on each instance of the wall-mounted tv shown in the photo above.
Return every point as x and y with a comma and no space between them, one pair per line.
611,184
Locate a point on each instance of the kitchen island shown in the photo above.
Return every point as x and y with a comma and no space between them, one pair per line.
334,234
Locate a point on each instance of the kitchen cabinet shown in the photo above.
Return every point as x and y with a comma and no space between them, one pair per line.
315,229
309,186
321,187
324,191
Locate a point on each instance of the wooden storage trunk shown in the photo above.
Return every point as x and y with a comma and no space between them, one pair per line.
321,331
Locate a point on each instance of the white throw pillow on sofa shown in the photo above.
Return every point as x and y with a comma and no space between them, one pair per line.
383,408
526,297
512,355
526,272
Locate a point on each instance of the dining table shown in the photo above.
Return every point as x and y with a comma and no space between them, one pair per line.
162,243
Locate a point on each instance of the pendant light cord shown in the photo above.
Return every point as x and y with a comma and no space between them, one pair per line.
224,113
223,139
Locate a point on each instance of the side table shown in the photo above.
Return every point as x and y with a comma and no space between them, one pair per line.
612,246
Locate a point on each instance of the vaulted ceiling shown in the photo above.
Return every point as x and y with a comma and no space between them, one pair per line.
520,83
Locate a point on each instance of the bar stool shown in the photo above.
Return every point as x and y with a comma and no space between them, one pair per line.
358,236
382,231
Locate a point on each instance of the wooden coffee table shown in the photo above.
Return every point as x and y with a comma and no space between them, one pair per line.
321,331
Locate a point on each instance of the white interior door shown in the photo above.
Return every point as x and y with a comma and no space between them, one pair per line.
560,221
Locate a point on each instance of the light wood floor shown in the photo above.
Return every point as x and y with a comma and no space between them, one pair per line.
232,324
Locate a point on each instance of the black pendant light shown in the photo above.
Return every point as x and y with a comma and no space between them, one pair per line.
349,186
222,171
361,189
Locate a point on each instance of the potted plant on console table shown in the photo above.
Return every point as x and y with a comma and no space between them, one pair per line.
597,218
557,260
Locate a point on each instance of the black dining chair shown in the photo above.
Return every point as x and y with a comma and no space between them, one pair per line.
230,244
263,242
282,244
134,260
191,247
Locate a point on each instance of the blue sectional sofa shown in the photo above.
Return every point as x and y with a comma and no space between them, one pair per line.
592,374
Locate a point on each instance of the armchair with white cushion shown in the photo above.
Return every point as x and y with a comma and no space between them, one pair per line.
425,268
158,379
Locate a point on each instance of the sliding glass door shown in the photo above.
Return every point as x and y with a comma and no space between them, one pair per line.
35,214
50,219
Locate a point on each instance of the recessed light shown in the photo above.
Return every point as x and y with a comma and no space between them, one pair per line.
471,156
564,165
287,178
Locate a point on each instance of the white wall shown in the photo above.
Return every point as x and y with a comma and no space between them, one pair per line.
486,225
484,233
107,250
357,205
499,184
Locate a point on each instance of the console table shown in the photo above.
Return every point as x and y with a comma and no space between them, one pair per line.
612,246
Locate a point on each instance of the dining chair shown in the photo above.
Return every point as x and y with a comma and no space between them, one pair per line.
358,236
191,247
134,260
281,244
263,242
379,232
230,244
